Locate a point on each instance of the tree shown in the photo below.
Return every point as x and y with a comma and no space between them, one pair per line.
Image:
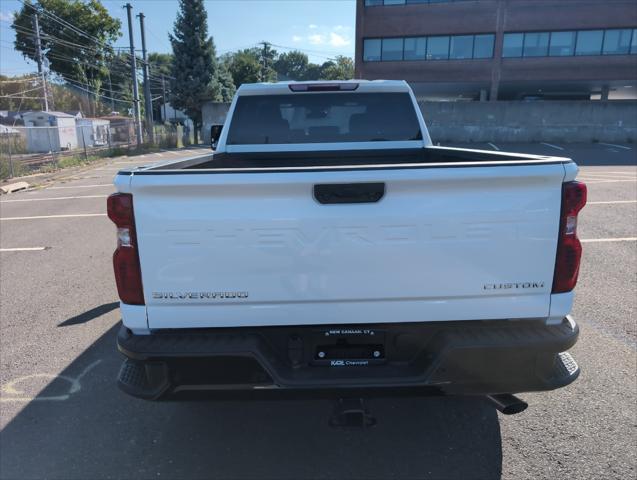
160,64
195,70
77,38
293,65
340,69
227,87
244,66
12,96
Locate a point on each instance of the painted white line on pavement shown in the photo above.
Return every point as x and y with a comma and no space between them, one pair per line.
81,186
600,240
552,146
586,178
25,249
495,147
611,202
608,176
38,217
52,198
615,146
612,181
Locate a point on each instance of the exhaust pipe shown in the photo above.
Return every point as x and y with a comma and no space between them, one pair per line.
508,404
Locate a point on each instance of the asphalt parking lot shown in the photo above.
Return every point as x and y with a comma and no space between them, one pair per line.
62,416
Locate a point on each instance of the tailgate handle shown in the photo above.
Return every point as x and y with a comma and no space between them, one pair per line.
349,192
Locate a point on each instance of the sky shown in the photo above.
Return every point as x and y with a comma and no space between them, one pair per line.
321,28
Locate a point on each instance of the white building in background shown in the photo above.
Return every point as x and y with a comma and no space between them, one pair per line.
92,131
50,131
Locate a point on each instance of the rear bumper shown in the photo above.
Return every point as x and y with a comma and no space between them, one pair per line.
474,358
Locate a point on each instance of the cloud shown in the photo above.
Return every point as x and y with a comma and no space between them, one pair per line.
6,16
316,39
337,40
336,36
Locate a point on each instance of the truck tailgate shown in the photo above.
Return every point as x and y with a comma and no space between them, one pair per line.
244,249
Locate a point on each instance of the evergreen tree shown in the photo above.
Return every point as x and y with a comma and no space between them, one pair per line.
194,65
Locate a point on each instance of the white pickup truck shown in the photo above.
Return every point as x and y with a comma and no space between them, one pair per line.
327,244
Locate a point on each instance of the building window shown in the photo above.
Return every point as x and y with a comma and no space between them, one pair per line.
617,42
394,2
392,49
513,44
483,46
461,47
633,45
536,44
373,3
438,48
371,50
416,48
589,42
562,44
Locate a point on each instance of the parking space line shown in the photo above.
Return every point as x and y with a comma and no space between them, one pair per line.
495,147
604,240
612,181
615,146
25,249
52,198
611,202
81,186
608,174
39,217
552,146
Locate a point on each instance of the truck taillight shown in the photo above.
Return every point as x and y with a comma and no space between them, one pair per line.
569,248
128,274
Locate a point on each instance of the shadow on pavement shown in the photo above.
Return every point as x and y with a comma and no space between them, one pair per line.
99,432
90,314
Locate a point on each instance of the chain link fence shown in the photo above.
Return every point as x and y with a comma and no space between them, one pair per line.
25,150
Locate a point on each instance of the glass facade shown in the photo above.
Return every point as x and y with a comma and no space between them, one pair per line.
569,43
617,42
375,3
622,41
536,44
562,44
371,50
457,47
392,49
513,45
415,48
461,47
483,46
589,42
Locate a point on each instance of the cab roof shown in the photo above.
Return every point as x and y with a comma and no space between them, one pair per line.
359,86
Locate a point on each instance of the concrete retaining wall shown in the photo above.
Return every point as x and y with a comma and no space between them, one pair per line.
549,121
212,114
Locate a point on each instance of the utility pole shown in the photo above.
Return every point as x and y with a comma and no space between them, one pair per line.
163,94
138,120
264,54
148,101
38,49
110,86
